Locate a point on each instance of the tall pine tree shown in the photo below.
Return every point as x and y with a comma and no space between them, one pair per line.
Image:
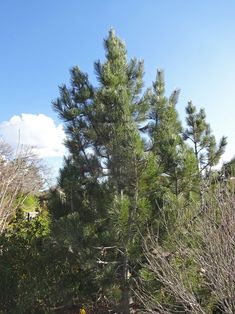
105,145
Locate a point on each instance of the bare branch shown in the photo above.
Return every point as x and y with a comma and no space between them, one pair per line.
20,175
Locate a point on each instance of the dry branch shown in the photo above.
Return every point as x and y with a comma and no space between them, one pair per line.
20,175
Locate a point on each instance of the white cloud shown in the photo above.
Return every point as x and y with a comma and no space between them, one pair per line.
39,131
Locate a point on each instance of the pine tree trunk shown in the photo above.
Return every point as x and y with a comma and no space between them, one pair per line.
126,297
125,307
201,192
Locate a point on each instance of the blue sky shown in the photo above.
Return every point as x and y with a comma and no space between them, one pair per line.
193,41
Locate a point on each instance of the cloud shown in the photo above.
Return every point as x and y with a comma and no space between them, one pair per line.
39,131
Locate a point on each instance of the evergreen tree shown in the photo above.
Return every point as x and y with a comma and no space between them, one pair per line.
175,159
113,183
118,104
206,150
105,145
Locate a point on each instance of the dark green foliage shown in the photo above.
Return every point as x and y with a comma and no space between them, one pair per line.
206,150
174,158
39,274
166,131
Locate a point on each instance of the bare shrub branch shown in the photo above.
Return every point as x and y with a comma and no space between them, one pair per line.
161,268
215,251
209,245
20,175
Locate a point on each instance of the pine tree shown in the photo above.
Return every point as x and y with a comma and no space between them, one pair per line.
118,106
174,158
206,150
106,148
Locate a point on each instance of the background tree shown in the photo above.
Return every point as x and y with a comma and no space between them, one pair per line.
199,133
20,176
228,169
173,160
171,152
206,150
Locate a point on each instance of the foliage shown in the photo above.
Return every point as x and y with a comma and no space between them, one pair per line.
207,152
